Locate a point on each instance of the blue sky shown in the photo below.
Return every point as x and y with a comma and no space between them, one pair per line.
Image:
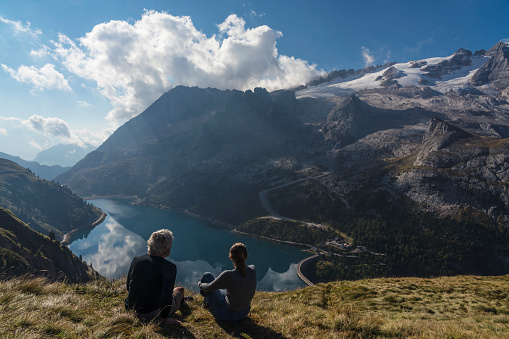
73,71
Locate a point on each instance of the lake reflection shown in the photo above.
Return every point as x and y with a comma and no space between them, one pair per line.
198,246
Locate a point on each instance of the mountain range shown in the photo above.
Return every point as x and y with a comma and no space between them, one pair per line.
43,171
427,136
63,155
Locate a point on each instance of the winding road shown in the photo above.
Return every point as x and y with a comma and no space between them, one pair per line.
273,214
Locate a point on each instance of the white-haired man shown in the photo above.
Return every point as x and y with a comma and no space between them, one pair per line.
151,281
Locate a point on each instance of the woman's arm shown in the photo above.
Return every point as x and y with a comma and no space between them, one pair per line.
222,281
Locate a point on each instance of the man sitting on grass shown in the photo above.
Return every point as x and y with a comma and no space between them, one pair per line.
151,281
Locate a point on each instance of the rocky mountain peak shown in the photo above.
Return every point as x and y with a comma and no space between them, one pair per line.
260,99
347,107
346,122
439,135
459,59
388,78
461,53
480,52
442,134
495,71
497,48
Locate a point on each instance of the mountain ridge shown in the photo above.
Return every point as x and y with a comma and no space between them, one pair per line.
44,171
462,71
437,152
64,155
46,206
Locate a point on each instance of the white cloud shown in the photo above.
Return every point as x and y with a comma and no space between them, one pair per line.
368,57
19,27
42,133
42,52
3,131
85,136
51,126
133,64
84,104
254,14
35,145
11,120
44,78
388,57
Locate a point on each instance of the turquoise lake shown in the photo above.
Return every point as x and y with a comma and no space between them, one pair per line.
198,246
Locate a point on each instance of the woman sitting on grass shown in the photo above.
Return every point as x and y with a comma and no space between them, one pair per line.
228,297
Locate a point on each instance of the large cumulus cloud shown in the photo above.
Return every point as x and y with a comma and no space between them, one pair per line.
133,64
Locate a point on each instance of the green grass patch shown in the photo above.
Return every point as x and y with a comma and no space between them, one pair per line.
447,307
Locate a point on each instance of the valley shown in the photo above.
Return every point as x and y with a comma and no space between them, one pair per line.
404,160
415,148
359,151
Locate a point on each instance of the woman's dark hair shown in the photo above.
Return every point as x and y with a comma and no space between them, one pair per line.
238,253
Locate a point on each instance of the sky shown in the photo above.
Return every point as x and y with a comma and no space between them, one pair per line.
72,71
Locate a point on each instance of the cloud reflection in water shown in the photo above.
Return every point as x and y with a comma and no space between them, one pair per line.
189,274
277,282
111,251
112,245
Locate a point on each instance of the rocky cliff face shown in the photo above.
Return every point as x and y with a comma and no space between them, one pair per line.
213,151
459,59
222,143
388,78
439,136
456,168
495,71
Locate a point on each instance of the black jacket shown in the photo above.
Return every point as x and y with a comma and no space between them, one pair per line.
150,283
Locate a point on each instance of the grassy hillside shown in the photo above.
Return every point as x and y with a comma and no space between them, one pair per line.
452,307
45,206
25,251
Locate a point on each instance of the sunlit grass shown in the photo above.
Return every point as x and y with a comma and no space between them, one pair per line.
448,307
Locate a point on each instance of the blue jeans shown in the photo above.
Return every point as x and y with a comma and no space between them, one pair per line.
216,303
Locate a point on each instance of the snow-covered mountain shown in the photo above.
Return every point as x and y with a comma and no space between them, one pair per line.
416,151
461,72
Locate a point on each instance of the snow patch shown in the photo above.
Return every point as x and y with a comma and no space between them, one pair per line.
411,76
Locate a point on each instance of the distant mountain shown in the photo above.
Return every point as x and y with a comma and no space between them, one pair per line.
25,251
384,154
43,171
63,155
45,206
463,72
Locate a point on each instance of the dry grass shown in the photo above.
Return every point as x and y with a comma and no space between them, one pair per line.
453,307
